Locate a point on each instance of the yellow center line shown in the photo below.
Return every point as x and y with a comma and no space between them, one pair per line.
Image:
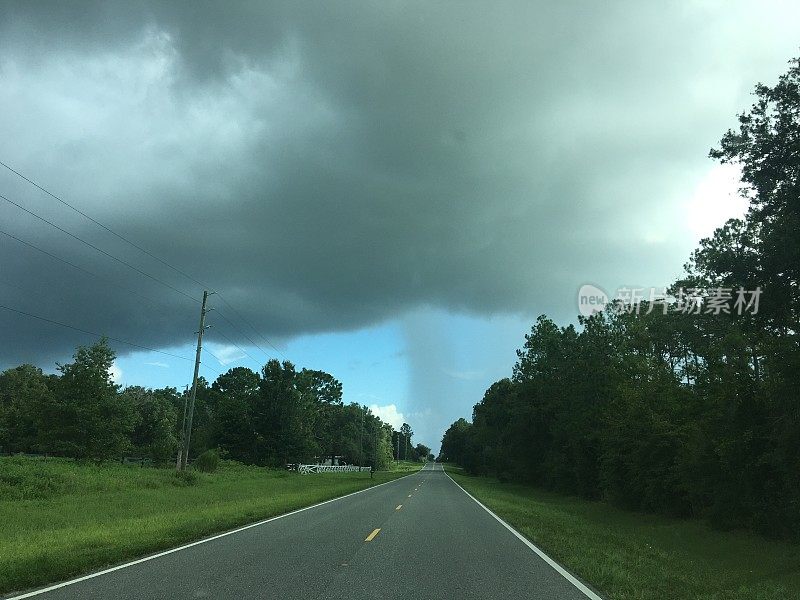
372,535
399,506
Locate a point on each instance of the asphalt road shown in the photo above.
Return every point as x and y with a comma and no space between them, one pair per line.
417,537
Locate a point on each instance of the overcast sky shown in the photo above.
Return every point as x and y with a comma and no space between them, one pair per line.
389,190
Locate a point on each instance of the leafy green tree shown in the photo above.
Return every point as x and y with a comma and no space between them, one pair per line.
754,458
24,394
766,148
376,440
279,416
347,424
283,417
457,444
323,387
88,418
659,410
234,395
401,441
493,418
384,455
153,434
422,452
323,395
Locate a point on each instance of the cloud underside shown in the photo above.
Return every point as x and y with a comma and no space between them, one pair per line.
389,414
328,168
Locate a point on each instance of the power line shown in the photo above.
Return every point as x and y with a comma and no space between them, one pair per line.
111,256
99,224
236,312
219,360
79,268
236,345
121,341
247,337
114,339
148,253
208,366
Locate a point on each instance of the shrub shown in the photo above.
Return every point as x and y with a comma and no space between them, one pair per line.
207,462
185,478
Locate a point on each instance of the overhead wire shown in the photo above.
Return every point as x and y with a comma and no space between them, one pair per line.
236,312
100,250
79,268
94,333
138,247
99,224
100,277
247,337
237,346
145,251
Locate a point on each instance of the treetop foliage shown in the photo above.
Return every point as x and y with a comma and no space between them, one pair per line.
272,418
686,414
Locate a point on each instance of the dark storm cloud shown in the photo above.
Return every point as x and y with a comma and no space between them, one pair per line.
328,166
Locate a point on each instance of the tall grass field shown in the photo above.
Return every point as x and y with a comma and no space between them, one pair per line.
632,556
60,518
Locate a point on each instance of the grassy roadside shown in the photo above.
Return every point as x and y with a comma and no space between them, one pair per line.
406,466
60,518
630,556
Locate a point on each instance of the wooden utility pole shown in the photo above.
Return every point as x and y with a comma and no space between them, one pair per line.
187,433
375,460
178,460
361,442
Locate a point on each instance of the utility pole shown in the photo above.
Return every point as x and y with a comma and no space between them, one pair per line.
398,446
190,412
183,428
361,442
375,460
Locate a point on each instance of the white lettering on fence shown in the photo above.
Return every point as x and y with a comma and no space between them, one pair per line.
306,469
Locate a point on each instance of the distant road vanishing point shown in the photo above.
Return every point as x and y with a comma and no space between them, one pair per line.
417,537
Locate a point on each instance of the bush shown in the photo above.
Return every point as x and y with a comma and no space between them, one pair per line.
207,462
185,478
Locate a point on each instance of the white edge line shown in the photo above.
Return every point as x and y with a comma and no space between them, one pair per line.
198,542
561,570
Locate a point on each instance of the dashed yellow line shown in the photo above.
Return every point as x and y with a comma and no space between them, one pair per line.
372,535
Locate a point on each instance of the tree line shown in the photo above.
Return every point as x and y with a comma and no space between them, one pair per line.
275,417
658,408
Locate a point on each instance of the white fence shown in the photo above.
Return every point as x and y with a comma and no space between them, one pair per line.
306,469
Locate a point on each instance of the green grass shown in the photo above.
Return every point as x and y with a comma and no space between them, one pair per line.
59,518
630,556
406,466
